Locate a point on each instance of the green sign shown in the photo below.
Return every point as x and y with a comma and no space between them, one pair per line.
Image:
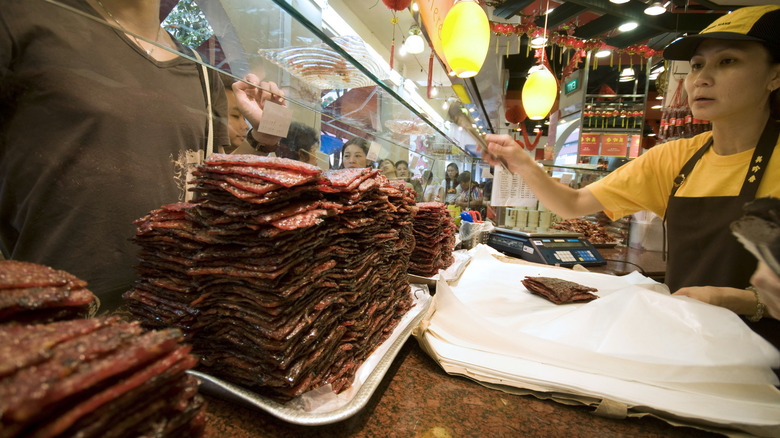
572,85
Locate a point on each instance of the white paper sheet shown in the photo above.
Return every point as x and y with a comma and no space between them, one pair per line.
634,344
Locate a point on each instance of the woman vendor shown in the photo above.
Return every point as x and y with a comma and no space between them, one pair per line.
698,184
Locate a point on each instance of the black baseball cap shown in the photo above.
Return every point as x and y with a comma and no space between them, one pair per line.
753,23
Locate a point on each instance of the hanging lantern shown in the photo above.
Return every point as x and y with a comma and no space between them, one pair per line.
465,36
539,92
515,114
397,5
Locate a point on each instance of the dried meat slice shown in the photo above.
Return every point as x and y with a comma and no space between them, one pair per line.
15,274
281,176
559,291
261,161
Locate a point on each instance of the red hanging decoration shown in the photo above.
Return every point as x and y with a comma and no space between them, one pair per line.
515,114
528,145
430,74
393,20
397,5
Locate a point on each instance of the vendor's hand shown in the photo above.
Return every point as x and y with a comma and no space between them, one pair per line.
767,285
740,301
251,101
507,148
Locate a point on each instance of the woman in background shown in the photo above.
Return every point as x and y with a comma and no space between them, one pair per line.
402,171
354,154
450,184
432,192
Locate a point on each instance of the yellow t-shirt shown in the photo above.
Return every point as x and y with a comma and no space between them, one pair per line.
646,182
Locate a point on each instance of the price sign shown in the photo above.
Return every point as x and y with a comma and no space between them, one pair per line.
614,145
633,147
589,144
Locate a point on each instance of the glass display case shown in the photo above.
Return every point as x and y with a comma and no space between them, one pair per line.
332,81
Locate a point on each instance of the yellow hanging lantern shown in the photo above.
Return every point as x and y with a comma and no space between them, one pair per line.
465,37
539,92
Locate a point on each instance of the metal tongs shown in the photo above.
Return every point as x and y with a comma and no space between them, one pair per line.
459,116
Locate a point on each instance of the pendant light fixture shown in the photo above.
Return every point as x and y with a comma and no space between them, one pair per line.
655,8
465,37
541,87
414,42
539,92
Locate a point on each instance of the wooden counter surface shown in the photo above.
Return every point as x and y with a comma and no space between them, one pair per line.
418,399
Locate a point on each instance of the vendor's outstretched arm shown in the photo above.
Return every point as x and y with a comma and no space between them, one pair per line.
560,198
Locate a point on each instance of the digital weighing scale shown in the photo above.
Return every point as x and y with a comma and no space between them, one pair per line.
552,248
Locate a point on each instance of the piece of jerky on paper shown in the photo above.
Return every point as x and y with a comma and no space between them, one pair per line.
559,291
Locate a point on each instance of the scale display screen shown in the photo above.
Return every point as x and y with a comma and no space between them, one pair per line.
560,243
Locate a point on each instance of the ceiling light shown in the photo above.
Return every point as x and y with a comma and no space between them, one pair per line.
652,134
659,97
619,2
548,11
625,27
603,53
415,43
477,119
538,42
471,110
655,8
434,91
627,75
415,7
656,107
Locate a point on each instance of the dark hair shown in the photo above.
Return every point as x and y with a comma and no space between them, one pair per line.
363,143
464,177
227,80
447,180
299,137
427,175
401,162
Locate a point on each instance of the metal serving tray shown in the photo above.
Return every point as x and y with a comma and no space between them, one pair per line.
375,367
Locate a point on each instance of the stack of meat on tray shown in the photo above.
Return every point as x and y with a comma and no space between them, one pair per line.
284,278
434,232
31,293
86,377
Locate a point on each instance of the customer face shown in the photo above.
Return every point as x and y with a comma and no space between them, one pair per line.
387,167
354,157
402,170
237,126
452,172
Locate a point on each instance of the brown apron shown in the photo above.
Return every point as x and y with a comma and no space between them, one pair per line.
702,250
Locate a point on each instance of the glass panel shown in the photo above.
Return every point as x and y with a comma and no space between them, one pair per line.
335,85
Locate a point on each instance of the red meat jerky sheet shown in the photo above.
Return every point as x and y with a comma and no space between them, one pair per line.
15,274
261,161
559,291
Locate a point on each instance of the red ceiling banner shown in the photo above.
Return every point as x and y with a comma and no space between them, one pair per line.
432,13
614,145
589,144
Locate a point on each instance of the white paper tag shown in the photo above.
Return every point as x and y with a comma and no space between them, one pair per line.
276,119
415,159
486,172
566,178
373,151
